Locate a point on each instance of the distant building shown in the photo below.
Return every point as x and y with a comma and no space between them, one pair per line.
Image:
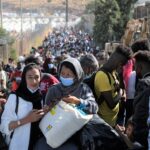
142,9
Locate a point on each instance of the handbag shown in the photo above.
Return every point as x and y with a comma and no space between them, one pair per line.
59,124
3,145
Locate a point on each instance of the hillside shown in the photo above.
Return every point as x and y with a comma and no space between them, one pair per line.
75,6
33,30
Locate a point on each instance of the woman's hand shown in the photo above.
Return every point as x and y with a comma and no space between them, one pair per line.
35,115
2,102
46,109
71,99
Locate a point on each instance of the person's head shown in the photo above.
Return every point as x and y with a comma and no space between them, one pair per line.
101,57
142,63
119,57
1,67
19,66
32,59
89,64
129,129
142,44
10,60
30,77
70,72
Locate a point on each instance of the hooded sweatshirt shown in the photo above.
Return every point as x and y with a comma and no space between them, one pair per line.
141,111
78,89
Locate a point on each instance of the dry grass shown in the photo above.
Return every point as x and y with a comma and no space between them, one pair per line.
76,7
26,3
39,3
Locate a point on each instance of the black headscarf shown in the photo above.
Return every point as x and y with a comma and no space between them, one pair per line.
23,92
35,98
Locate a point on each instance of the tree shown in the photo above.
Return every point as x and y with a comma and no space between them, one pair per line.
107,15
111,18
5,36
3,33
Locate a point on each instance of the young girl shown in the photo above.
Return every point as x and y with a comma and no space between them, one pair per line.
127,135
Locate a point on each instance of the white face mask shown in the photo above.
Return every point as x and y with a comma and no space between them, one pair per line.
32,91
51,66
88,76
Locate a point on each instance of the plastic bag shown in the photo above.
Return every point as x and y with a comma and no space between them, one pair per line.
61,123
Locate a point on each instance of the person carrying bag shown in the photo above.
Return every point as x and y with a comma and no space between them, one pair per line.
76,101
63,117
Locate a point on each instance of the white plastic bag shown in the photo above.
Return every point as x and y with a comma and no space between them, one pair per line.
61,123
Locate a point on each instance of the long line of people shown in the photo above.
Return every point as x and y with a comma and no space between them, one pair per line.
121,85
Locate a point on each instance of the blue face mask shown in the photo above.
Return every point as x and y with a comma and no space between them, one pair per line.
66,81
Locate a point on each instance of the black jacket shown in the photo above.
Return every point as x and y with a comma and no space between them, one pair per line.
141,111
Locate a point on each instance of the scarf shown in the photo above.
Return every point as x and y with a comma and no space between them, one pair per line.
36,99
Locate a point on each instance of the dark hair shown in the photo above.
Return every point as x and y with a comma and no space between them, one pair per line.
142,56
28,67
130,122
124,50
140,45
89,60
32,59
22,91
68,65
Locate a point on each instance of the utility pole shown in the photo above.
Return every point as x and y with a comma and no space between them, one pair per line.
1,14
21,31
66,13
95,6
31,15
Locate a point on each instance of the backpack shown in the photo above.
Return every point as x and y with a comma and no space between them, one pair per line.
90,82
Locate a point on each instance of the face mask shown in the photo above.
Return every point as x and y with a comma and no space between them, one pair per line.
50,66
88,76
66,81
32,91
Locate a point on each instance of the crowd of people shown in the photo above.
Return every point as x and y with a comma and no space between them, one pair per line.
63,69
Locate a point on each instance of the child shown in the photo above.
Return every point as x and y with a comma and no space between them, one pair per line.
127,135
129,129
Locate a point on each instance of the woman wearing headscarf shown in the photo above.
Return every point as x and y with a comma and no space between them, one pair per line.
21,127
71,90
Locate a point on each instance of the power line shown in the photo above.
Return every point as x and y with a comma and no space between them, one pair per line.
1,13
66,12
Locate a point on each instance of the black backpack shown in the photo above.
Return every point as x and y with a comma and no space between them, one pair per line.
90,82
